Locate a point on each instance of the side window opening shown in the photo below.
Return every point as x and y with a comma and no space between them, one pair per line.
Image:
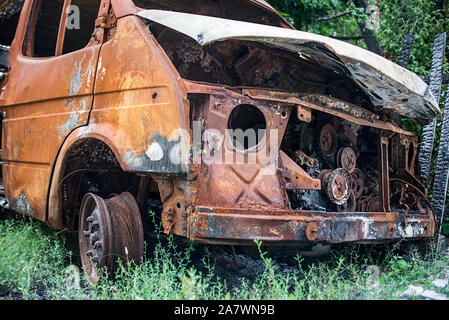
42,32
46,29
80,24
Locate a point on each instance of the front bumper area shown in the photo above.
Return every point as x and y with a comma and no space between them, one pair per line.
225,226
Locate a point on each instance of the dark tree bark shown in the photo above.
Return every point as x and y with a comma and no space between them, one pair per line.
367,34
406,50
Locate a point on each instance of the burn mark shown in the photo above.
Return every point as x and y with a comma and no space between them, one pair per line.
76,82
161,156
412,229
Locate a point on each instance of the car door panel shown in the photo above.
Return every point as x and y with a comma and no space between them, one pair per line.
49,98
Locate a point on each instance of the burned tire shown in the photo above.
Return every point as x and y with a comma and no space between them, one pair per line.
110,232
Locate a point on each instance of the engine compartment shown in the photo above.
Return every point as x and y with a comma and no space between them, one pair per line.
238,64
345,170
347,157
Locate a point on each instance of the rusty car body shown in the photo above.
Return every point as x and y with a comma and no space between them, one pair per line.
139,109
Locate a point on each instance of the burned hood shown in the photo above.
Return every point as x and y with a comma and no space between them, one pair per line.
387,84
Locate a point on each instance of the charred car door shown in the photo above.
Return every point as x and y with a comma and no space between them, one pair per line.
49,93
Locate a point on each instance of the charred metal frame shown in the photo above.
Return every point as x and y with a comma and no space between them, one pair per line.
127,110
217,224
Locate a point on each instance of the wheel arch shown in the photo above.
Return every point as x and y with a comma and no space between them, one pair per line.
93,133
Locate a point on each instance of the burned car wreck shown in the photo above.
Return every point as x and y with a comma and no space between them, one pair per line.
241,126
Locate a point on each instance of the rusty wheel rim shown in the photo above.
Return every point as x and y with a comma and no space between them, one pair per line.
110,232
127,225
95,236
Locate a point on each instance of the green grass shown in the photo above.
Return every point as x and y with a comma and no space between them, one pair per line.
31,255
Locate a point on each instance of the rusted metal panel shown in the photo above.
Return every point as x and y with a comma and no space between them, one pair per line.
136,91
136,87
39,118
384,160
239,179
321,103
178,197
295,176
216,225
222,216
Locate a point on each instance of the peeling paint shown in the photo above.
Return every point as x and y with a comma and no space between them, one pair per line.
23,205
90,70
70,103
74,119
101,69
71,122
413,228
75,83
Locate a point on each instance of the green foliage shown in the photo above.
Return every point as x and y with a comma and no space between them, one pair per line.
419,17
29,252
304,15
32,254
423,18
445,226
